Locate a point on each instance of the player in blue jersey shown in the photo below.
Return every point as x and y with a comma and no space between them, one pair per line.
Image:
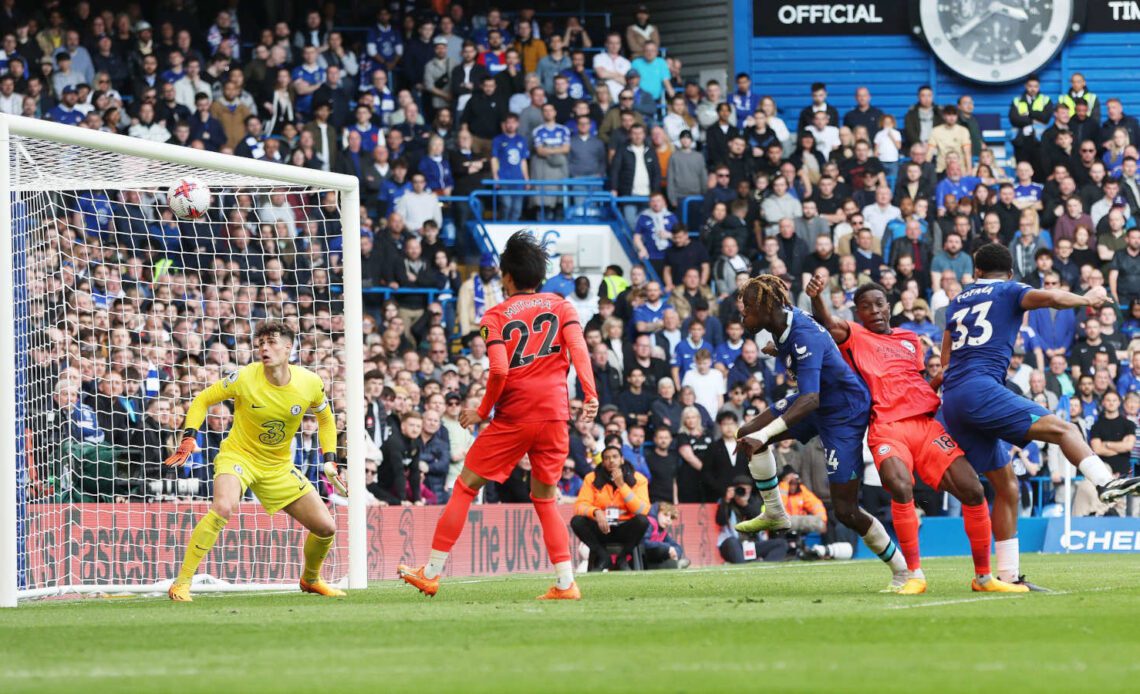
831,402
981,327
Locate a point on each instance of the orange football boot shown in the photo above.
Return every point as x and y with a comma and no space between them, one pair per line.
556,593
416,578
319,587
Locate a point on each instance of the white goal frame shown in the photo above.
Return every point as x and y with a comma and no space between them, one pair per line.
347,187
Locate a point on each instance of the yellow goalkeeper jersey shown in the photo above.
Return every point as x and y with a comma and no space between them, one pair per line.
267,416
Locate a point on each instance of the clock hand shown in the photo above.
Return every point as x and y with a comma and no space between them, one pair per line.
970,25
1011,12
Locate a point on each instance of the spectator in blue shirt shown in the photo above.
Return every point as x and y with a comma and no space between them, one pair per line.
307,79
653,232
685,353
563,282
955,183
204,126
65,111
384,45
649,316
951,257
393,187
1055,328
509,154
633,452
743,100
436,168
1026,193
1129,381
654,73
727,351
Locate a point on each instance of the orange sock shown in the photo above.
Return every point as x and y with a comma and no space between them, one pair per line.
554,531
978,529
450,525
906,529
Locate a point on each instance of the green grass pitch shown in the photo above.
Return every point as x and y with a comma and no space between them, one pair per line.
779,628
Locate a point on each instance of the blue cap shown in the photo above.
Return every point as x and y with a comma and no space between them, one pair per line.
487,260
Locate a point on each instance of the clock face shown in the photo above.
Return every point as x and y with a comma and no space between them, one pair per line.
995,41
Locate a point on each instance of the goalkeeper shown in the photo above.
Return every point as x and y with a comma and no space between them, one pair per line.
270,399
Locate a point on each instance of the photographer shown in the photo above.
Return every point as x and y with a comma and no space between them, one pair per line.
739,504
611,509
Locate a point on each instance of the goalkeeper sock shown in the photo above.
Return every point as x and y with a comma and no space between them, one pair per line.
879,542
449,527
1095,470
763,470
201,541
557,540
979,530
906,529
316,549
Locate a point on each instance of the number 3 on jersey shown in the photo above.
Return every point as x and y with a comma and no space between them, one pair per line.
518,355
978,320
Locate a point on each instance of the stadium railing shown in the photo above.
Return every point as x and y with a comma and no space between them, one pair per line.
445,297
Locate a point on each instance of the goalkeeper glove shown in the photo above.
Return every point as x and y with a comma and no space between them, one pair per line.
188,445
333,475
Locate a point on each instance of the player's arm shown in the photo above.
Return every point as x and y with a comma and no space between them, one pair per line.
1059,299
575,341
944,357
326,434
807,373
838,329
196,415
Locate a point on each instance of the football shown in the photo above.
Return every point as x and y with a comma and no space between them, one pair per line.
189,198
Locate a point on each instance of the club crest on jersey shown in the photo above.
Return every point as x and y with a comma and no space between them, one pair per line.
237,469
884,449
782,405
909,346
231,377
295,410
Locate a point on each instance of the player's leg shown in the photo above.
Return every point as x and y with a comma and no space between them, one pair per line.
228,488
845,499
547,456
1052,429
311,513
895,473
762,467
496,451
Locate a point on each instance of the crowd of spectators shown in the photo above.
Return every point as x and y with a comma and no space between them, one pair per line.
137,311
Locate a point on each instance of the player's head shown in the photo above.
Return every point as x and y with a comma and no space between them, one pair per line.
523,263
993,260
274,342
761,299
872,307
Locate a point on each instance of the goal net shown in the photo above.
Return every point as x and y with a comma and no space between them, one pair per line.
114,314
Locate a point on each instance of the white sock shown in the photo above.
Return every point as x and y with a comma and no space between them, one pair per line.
1095,470
1008,559
879,542
565,575
435,564
763,469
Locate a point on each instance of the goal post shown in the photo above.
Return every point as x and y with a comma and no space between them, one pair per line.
113,315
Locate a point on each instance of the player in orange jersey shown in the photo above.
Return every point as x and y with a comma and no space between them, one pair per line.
532,338
904,437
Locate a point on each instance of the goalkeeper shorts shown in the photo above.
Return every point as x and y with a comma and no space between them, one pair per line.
276,486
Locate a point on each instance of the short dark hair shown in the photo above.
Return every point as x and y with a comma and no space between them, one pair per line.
725,415
993,257
524,259
816,86
866,288
274,327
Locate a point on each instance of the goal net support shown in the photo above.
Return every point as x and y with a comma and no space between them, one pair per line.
114,314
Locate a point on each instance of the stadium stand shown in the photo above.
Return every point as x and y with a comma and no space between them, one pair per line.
453,119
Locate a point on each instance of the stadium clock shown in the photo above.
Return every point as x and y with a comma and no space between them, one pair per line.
998,41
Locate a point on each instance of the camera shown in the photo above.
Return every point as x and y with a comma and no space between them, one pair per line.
740,490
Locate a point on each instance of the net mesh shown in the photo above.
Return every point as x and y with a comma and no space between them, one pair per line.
123,314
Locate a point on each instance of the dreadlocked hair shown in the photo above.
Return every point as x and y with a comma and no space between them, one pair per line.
768,290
